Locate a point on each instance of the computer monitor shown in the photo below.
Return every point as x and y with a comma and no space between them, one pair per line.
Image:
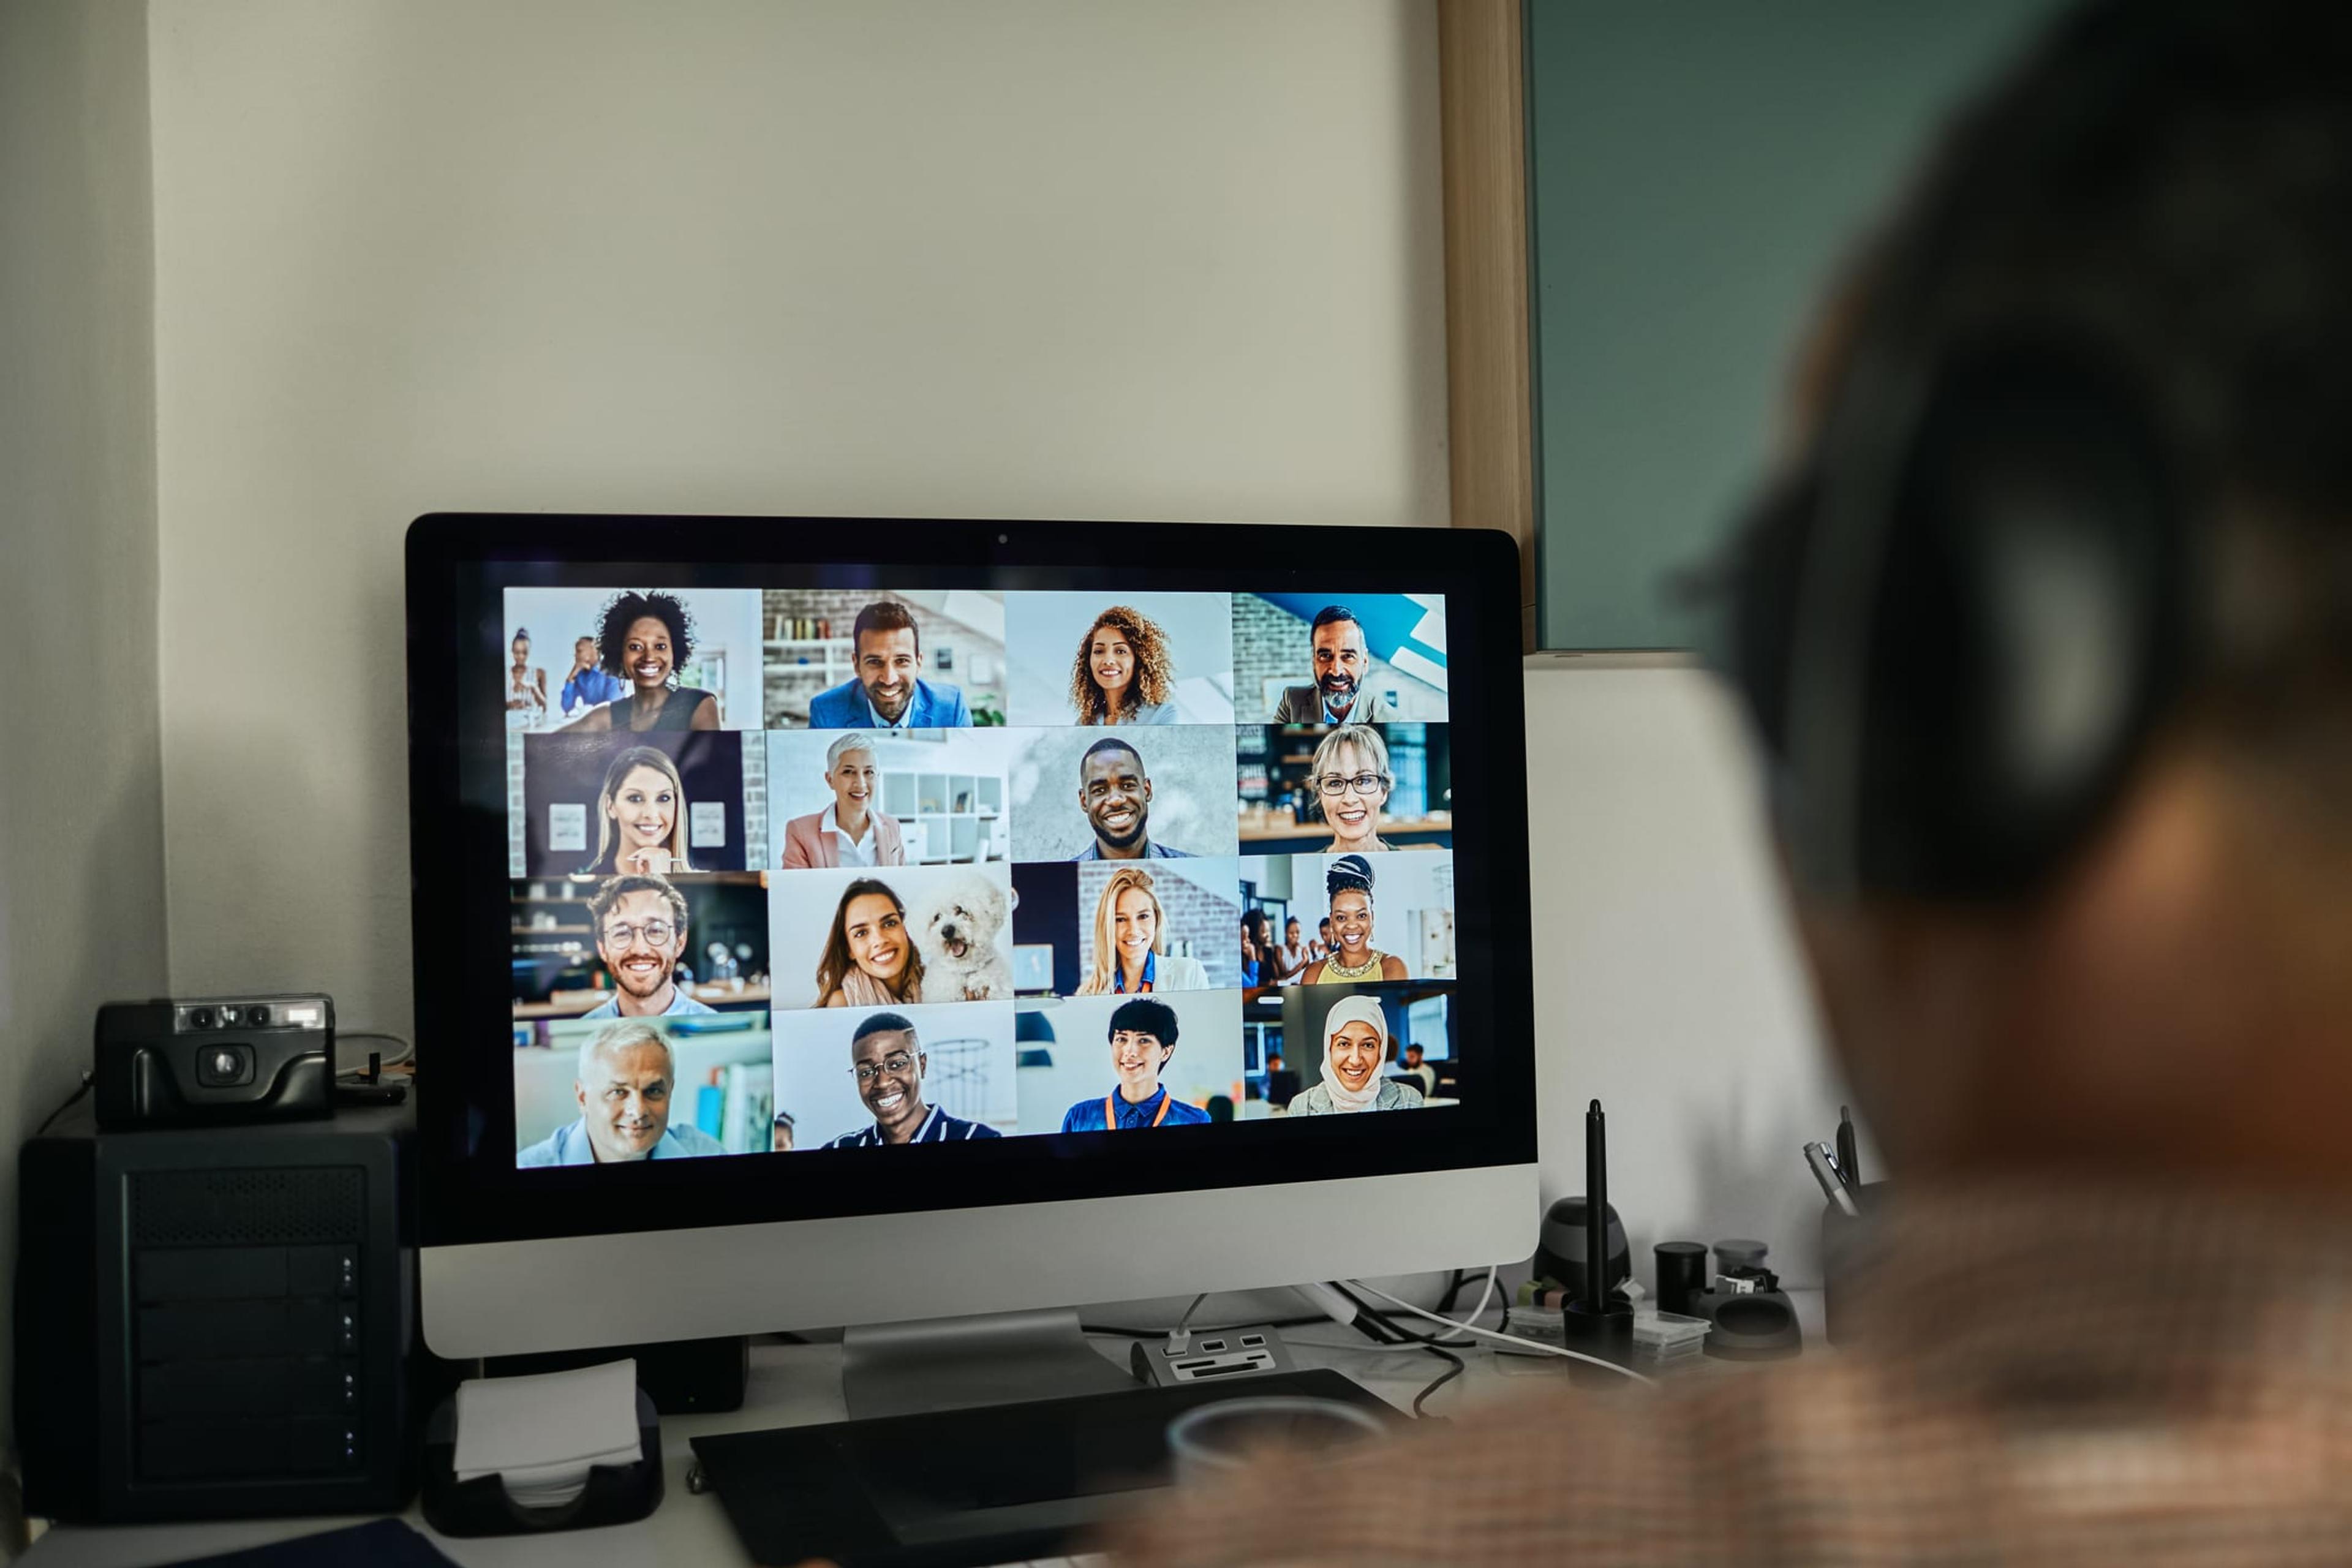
810,913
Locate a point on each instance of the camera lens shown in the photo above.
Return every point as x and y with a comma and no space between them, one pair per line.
256,1016
200,1017
224,1066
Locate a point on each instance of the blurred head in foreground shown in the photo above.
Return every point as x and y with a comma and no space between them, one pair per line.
2048,628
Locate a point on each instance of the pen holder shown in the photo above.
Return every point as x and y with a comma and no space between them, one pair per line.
1845,1249
1607,1334
615,1494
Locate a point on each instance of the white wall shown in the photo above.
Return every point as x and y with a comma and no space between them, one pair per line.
1667,977
80,775
1043,258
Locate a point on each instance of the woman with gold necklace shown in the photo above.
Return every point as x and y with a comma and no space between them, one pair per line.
1348,887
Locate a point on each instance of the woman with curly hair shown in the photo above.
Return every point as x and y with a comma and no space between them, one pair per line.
869,960
1122,675
644,638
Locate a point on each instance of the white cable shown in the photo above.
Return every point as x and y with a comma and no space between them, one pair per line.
1537,1345
1178,1339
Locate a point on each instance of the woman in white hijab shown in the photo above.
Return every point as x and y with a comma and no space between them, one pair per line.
1355,1050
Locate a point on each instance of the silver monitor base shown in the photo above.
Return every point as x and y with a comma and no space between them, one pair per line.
954,1364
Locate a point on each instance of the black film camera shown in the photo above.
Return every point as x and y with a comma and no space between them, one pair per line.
215,1058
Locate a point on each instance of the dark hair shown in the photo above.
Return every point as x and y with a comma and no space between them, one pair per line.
881,1023
1108,743
1330,613
613,890
883,616
2172,181
1154,671
1255,923
522,633
1347,874
833,966
1145,1015
623,611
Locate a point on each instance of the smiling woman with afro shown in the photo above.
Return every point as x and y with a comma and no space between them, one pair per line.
644,639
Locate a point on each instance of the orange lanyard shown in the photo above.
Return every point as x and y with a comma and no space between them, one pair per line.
1110,1117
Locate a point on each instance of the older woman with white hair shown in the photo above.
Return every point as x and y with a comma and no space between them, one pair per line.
853,830
1355,1051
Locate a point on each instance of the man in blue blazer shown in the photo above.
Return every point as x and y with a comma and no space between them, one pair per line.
887,692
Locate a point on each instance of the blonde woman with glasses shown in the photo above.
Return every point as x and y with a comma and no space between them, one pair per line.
1352,780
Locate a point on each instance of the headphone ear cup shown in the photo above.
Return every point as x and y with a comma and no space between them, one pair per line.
2025,628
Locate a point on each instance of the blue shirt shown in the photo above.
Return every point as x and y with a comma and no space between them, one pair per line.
1086,1115
1150,972
1157,851
930,707
569,1146
679,1003
938,1127
592,688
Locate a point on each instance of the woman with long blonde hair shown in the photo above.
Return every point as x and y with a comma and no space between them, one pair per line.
1130,940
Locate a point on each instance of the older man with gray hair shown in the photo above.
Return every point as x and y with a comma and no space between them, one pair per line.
852,831
626,1077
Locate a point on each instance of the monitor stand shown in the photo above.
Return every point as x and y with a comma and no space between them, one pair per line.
955,1363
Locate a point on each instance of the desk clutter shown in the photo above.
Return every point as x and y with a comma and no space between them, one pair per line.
558,1450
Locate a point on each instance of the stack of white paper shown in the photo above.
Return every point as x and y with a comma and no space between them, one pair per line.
541,1434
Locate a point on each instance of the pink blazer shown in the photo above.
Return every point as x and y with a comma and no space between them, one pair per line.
807,843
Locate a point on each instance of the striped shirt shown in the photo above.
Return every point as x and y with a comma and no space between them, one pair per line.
938,1127
2092,1375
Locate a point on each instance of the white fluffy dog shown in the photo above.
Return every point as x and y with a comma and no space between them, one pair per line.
955,925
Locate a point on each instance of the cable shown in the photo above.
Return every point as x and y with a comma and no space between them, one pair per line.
1370,1317
1536,1345
407,1051
88,1078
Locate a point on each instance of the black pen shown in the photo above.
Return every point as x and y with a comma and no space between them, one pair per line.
1849,1165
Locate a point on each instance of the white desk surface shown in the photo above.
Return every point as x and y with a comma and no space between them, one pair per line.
791,1385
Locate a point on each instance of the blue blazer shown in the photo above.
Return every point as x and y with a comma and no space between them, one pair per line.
844,707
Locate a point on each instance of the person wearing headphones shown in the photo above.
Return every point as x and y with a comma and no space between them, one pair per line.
2047,637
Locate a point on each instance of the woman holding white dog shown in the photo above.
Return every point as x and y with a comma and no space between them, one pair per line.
1131,933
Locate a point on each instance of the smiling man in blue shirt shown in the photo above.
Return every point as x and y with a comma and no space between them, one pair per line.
887,691
626,1077
1142,1039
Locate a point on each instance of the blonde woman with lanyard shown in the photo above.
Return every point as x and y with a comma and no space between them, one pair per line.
1142,1037
1355,1050
1131,943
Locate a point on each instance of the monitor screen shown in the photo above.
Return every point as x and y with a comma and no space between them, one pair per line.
793,869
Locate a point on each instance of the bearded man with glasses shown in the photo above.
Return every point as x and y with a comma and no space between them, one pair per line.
888,1062
640,935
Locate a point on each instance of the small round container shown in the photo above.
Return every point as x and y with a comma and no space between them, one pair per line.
1228,1436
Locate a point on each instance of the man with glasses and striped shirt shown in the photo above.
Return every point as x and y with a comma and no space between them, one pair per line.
888,1061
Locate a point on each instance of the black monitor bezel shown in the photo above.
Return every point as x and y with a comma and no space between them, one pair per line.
479,1197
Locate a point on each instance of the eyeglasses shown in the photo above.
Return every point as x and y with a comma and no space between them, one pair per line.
897,1063
655,932
1362,784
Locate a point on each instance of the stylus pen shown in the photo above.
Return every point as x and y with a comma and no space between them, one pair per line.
1817,1155
1849,1163
1596,1210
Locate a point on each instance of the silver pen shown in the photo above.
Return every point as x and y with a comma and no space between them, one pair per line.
1817,1155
